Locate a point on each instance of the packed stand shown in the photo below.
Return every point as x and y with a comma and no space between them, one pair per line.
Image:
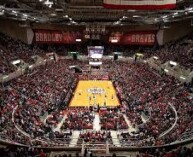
112,119
95,136
12,49
144,90
34,94
79,119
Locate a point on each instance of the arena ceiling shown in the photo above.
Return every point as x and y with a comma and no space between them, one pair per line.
81,12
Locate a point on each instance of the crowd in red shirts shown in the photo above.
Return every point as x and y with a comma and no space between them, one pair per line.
112,119
12,49
95,136
145,91
163,152
42,91
179,51
48,89
79,119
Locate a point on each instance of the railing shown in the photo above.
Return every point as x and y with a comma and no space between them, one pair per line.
171,128
24,133
56,142
5,140
51,145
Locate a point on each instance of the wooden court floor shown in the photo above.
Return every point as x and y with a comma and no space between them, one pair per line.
94,92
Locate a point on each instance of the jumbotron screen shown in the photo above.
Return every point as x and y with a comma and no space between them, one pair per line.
95,51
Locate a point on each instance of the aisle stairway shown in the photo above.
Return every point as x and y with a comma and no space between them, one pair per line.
115,139
60,124
131,128
96,122
74,138
144,118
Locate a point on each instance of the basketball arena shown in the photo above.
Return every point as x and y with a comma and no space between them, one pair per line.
102,78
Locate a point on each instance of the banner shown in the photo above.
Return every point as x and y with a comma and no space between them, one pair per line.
140,4
49,36
133,38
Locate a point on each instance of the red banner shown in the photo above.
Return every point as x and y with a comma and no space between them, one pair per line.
140,4
49,36
133,38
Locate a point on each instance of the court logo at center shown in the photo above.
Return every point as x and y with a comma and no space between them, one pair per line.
96,90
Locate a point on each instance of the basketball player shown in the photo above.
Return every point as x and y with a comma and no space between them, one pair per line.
105,104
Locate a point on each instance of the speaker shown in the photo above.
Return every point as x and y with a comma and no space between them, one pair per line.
74,56
115,57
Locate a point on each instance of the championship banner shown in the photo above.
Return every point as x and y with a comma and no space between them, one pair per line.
133,38
140,4
58,37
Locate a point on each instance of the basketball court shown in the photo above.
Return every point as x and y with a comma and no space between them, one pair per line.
94,92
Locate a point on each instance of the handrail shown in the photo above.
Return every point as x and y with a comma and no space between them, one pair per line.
21,131
171,128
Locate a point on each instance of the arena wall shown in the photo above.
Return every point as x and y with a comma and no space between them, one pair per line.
177,30
17,30
13,29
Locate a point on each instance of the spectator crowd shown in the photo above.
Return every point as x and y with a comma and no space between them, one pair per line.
32,106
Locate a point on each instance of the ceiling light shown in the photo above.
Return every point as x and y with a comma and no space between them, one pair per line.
114,41
164,16
124,17
78,40
189,9
65,16
53,14
155,57
116,23
58,9
48,2
13,11
176,13
182,77
173,63
2,12
166,70
73,21
131,10
136,16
